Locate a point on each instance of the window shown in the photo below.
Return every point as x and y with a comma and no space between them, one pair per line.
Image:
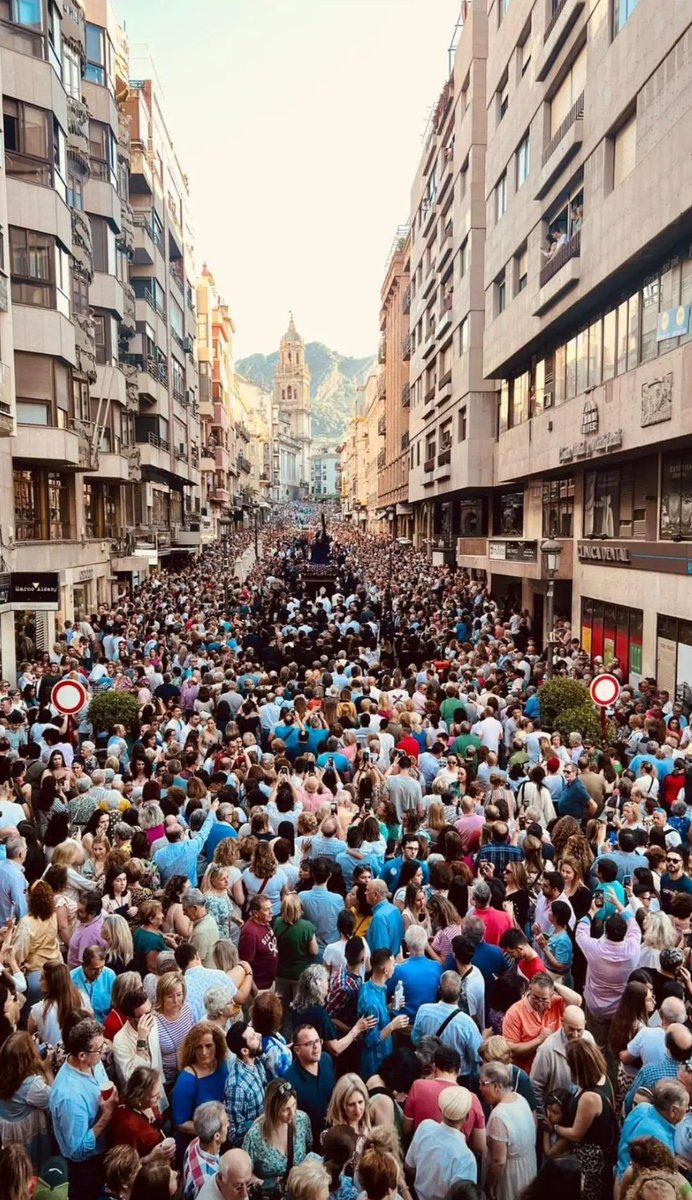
463,258
89,509
71,72
501,196
624,150
502,9
500,294
609,321
26,514
104,246
650,306
75,192
568,92
558,508
524,51
28,142
502,98
32,266
102,151
610,629
96,48
522,161
464,336
622,11
522,269
32,414
508,513
519,400
615,502
463,424
80,296
676,495
58,506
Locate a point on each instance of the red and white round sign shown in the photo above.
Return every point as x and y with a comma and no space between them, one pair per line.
605,690
69,696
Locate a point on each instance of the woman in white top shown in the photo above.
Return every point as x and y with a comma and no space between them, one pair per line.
534,794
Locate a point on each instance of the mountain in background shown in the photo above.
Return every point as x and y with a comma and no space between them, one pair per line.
335,380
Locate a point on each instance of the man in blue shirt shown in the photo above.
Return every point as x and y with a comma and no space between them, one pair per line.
321,906
13,881
180,856
313,1078
387,926
330,757
418,975
220,830
80,1114
452,1025
392,868
575,800
372,1003
657,1120
95,980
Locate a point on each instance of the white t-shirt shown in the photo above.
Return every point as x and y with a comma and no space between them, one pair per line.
440,1156
10,814
334,957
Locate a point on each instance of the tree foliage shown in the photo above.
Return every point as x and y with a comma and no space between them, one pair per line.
566,707
113,708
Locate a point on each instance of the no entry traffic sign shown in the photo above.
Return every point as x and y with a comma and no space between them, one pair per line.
605,690
68,696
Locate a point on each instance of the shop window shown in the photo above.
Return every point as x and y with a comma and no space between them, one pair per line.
473,518
615,503
558,508
676,496
508,514
27,523
613,631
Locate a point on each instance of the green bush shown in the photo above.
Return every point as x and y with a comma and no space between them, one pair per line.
556,696
113,708
567,708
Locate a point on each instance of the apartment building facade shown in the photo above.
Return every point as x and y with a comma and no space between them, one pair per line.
167,501
451,416
395,298
588,278
218,411
325,474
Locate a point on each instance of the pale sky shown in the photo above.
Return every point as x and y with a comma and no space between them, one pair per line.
299,125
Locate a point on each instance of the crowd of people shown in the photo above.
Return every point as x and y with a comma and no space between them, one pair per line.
337,915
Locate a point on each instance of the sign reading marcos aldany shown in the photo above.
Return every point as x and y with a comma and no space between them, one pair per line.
30,589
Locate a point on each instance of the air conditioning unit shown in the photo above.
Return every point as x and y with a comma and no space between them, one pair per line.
187,344
548,399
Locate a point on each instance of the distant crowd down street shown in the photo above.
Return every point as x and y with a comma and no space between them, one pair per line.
334,889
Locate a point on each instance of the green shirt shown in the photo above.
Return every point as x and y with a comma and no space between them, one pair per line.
461,744
292,943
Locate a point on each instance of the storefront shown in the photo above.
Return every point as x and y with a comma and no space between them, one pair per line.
613,631
674,658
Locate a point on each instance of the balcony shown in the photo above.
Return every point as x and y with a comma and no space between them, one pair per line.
444,458
244,464
242,431
53,447
429,465
155,452
381,385
406,396
208,458
141,170
155,305
73,27
382,351
381,460
430,336
430,395
82,249
564,17
446,245
187,535
562,146
219,495
78,133
147,238
381,426
405,440
430,277
129,319
126,238
406,300
406,348
124,138
444,319
6,407
148,369
85,347
560,273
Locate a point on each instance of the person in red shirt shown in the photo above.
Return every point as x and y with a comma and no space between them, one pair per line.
495,922
423,1100
257,942
517,946
409,745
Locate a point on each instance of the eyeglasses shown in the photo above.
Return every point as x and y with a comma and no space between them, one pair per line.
308,1045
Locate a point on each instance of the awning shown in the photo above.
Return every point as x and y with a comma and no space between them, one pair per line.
404,510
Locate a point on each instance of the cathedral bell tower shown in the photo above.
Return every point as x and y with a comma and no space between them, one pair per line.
292,397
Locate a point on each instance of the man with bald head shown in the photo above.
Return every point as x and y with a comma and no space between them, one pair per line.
649,1044
386,928
550,1068
232,1180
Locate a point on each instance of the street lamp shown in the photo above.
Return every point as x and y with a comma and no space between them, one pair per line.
551,551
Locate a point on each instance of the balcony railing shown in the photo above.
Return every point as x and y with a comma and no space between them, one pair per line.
571,249
145,362
444,457
429,464
157,442
405,440
381,386
430,394
406,396
381,426
406,300
445,379
381,460
406,348
447,233
575,113
382,351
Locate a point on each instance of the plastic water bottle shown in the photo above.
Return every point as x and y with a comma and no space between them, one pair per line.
399,996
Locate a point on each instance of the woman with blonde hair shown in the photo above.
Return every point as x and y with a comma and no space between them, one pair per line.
265,877
174,1019
36,939
446,924
24,1097
296,943
95,864
218,902
115,932
349,1105
280,1138
225,957
497,1049
659,934
71,855
435,820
